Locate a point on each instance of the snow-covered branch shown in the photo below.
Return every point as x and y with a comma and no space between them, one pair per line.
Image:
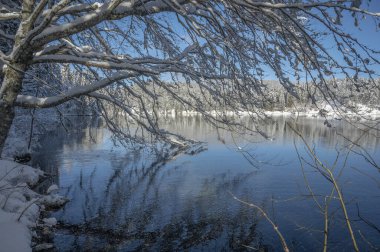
8,13
100,14
59,58
28,101
9,16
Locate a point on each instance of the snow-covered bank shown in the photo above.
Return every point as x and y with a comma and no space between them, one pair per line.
20,206
324,110
358,112
29,126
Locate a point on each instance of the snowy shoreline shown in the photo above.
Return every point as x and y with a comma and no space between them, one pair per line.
359,111
21,207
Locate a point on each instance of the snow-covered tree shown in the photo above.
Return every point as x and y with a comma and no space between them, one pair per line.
226,48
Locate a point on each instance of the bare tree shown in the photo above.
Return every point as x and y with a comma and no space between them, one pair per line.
225,48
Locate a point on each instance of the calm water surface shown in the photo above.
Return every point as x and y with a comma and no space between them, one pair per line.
122,200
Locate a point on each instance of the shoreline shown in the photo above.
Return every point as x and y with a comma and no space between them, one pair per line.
21,207
323,111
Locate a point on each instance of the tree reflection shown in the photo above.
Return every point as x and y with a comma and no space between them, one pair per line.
137,210
136,199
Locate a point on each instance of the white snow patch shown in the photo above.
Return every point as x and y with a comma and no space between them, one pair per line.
15,236
20,206
323,110
50,221
52,188
18,210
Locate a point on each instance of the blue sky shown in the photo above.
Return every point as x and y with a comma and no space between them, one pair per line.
368,29
368,33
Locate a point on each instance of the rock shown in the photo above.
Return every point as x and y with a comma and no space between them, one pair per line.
43,246
23,158
54,201
46,232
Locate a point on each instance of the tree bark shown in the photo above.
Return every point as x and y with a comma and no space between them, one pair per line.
10,88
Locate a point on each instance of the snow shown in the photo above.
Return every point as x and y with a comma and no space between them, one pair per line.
324,110
44,102
53,201
17,199
20,206
18,173
14,235
50,221
18,137
43,246
52,188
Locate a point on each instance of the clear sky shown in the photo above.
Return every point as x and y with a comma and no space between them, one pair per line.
367,32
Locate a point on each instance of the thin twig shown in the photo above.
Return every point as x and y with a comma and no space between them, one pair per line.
275,227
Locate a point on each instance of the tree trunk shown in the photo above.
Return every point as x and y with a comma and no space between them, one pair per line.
9,90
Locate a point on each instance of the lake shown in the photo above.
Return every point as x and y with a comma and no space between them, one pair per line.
123,200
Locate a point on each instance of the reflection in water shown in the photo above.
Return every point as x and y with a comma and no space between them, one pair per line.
125,200
312,129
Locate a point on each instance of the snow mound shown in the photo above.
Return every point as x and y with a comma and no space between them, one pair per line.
52,188
15,236
20,206
50,221
15,173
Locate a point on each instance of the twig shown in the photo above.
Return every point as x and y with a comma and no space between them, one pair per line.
275,227
335,183
26,208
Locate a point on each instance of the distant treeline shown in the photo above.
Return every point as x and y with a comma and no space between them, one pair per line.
274,96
